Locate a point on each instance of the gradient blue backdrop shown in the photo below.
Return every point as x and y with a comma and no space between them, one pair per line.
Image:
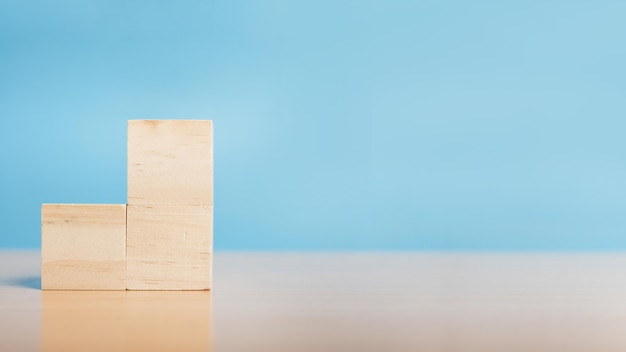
338,124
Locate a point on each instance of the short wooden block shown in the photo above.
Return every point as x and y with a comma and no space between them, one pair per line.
170,162
169,247
83,247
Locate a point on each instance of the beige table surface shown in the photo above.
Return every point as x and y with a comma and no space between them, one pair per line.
335,302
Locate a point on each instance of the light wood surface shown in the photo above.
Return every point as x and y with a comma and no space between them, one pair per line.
170,162
83,246
121,321
336,302
169,247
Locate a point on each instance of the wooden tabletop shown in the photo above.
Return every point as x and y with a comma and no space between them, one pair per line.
335,302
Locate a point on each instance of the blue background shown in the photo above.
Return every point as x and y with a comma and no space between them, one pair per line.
481,125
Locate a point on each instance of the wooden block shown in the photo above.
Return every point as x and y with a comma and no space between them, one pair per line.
169,247
170,162
83,247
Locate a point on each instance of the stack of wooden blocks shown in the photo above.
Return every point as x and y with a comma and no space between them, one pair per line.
161,240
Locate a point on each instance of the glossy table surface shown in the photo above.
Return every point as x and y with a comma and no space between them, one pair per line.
335,302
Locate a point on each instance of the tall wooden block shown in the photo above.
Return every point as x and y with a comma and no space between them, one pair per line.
169,247
170,162
83,247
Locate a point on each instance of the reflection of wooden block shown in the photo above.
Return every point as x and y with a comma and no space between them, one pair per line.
182,320
169,247
108,321
83,247
91,321
170,162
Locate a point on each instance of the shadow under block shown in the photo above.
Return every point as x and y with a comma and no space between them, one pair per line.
170,162
169,247
83,247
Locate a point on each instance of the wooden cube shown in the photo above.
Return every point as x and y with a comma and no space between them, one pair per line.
169,247
83,247
170,162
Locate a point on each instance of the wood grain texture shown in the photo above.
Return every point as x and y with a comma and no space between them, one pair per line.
170,162
169,247
83,247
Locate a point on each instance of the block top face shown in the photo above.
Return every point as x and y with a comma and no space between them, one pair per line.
170,162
